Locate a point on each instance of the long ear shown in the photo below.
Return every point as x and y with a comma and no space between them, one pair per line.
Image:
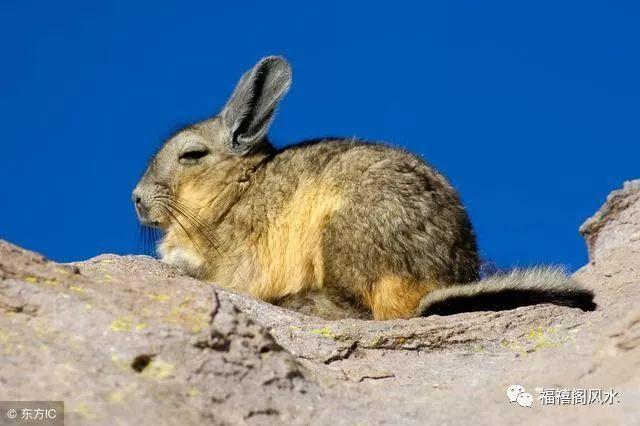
250,109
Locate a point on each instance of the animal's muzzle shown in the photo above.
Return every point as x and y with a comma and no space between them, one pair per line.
141,205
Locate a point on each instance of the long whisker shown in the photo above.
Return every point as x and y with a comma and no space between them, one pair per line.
155,236
230,261
185,230
185,204
207,265
194,219
147,238
139,242
178,206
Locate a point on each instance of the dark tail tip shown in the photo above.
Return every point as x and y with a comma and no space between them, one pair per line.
506,299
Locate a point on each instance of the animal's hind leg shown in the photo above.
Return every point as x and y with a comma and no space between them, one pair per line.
325,304
393,297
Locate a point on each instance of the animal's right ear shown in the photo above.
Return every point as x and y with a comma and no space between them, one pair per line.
250,109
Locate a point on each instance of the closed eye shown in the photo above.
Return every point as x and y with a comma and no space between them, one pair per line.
192,156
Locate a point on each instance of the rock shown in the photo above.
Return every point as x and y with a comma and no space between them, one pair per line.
129,340
616,224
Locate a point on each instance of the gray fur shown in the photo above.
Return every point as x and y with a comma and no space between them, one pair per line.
250,109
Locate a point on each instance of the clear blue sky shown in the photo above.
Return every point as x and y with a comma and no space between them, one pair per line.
532,110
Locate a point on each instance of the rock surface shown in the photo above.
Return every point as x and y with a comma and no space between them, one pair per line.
128,340
616,223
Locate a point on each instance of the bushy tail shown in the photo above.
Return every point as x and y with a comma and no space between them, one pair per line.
509,290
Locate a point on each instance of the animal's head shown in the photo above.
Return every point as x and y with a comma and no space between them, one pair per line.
202,159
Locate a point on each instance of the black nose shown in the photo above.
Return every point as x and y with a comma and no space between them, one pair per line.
137,200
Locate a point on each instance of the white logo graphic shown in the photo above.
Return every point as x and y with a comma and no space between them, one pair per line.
516,393
524,399
513,391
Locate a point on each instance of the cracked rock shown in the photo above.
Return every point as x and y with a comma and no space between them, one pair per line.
128,340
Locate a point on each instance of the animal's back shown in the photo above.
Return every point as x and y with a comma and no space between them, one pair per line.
369,222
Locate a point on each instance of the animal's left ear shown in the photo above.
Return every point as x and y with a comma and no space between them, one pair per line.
250,109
